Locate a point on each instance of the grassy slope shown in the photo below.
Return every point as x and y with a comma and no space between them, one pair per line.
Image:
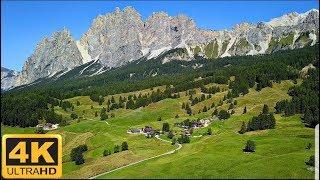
280,152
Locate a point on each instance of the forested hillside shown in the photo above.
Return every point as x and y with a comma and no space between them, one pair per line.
25,106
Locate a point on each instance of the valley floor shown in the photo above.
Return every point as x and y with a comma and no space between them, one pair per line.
280,152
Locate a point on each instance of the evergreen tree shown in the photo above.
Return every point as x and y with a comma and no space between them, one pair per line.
116,149
174,141
209,132
204,109
223,114
311,161
103,114
124,146
250,146
106,153
244,110
112,99
78,103
79,159
130,104
165,127
243,128
231,106
183,106
215,112
159,119
265,109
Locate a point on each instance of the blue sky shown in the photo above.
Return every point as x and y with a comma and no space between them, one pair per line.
25,23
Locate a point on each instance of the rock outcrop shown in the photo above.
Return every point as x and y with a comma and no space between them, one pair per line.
122,36
8,78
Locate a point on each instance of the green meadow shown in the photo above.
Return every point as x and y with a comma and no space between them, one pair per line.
280,152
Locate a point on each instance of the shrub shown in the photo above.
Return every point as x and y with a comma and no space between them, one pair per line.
124,146
223,114
250,146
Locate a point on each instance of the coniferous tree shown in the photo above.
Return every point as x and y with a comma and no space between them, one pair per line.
243,128
183,106
79,159
116,149
103,114
106,153
231,106
223,114
174,141
310,162
244,110
112,99
165,127
124,146
205,109
215,112
265,109
250,146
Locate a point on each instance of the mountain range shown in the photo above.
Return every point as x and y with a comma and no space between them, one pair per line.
121,37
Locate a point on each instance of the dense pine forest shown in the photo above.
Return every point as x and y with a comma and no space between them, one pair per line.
25,106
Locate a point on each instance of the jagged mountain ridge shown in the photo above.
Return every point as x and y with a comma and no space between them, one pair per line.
121,37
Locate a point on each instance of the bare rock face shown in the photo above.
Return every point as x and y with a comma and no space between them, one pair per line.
52,55
117,38
8,78
122,36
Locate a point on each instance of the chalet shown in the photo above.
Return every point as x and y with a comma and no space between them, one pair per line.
148,130
48,126
134,131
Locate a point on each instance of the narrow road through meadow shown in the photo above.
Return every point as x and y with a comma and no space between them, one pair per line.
122,167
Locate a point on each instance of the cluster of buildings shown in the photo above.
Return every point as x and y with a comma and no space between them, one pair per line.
146,130
195,124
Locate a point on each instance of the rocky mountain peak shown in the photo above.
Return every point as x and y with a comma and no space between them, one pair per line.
122,36
58,53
